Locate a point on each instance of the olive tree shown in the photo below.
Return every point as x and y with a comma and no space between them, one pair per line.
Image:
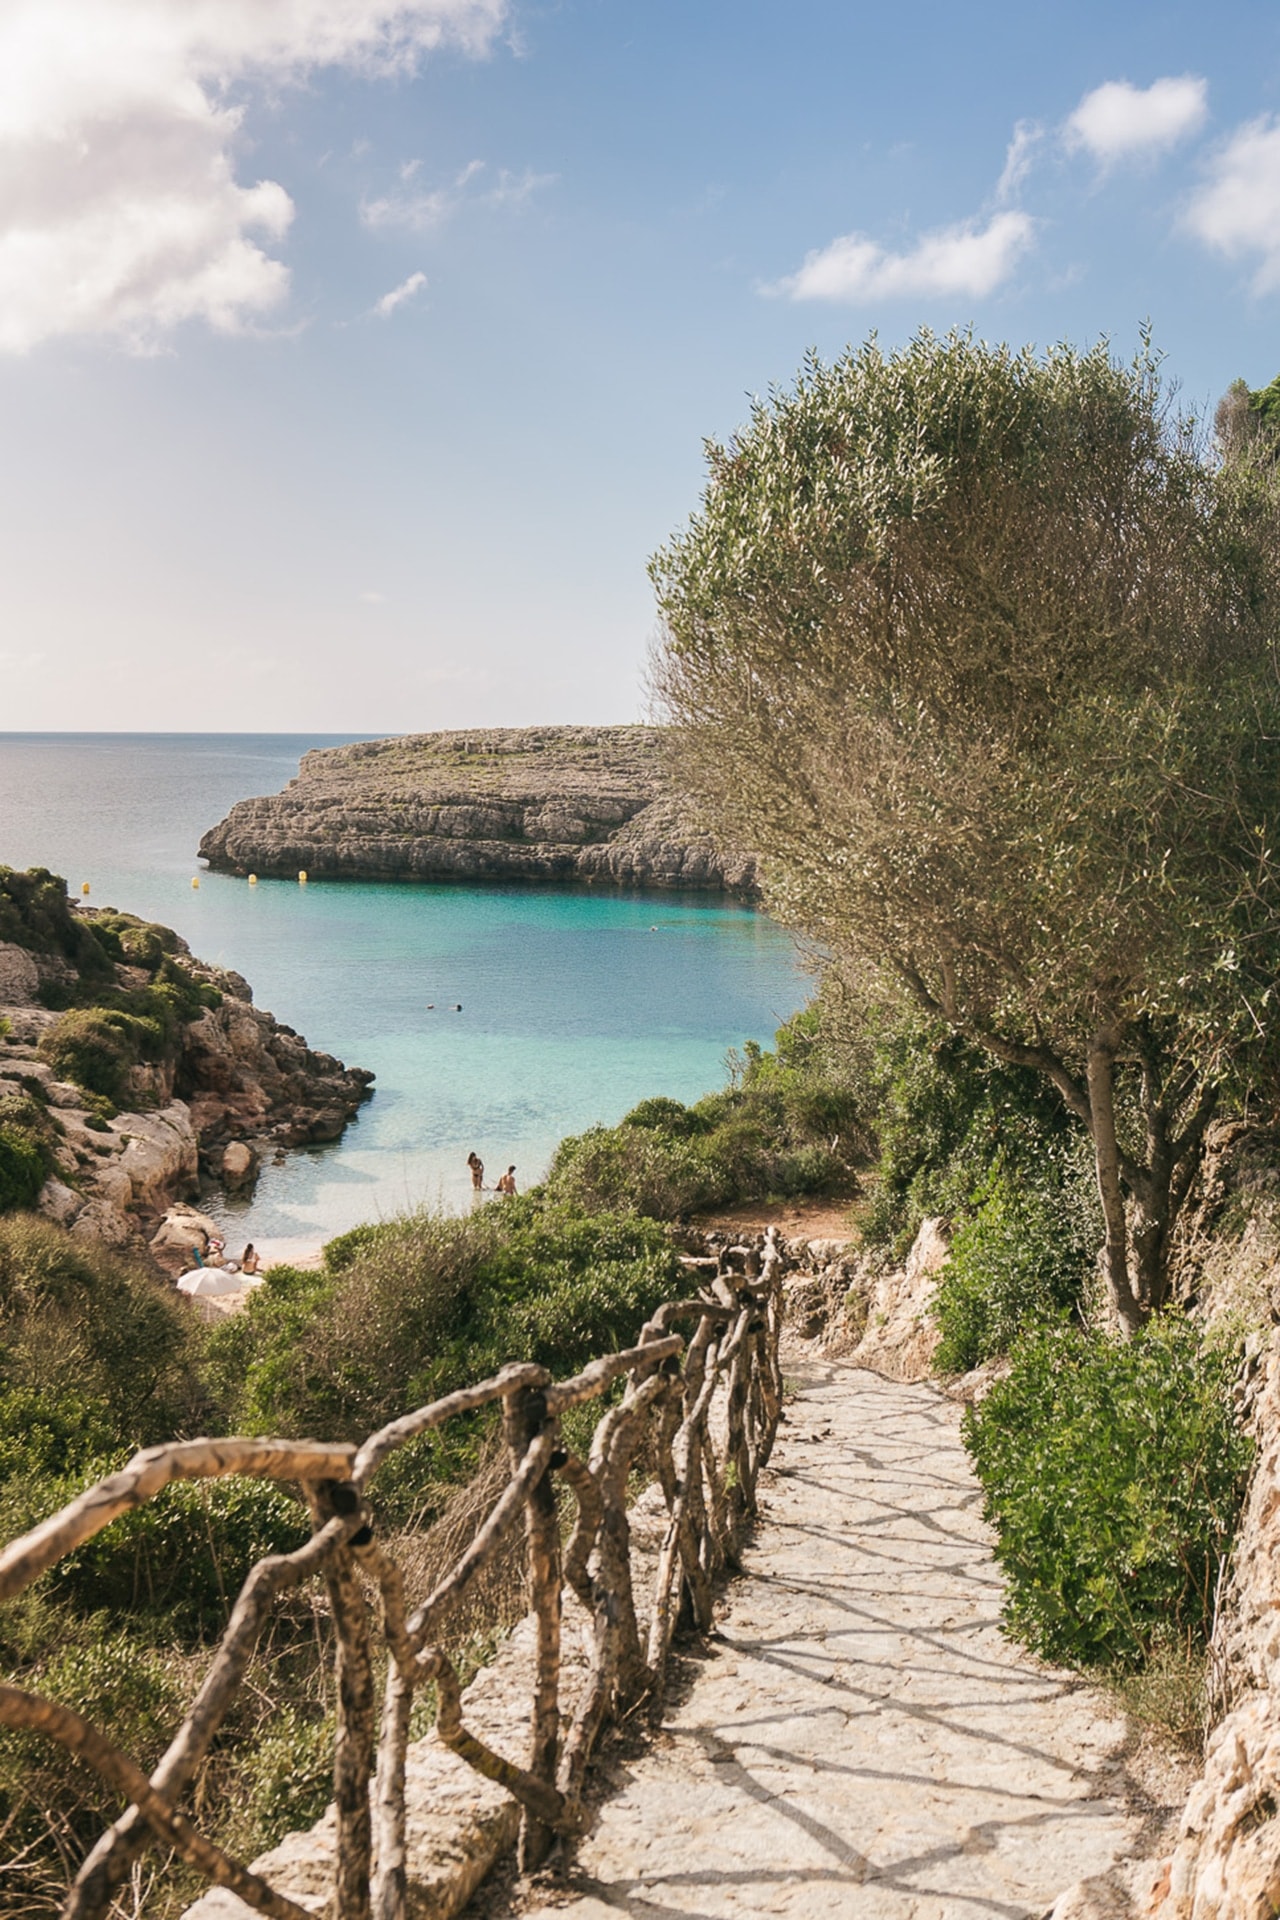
973,648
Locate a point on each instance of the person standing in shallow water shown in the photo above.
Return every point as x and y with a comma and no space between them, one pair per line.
507,1182
476,1165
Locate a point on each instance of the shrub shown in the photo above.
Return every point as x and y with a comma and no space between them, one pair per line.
22,1168
1113,1474
667,1116
1020,1258
94,1048
945,1115
785,1126
52,1805
641,1170
182,1556
35,914
85,1333
419,1306
139,943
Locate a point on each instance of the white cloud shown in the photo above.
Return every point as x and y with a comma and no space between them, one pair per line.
1027,136
385,307
1118,121
1237,210
963,259
120,209
421,210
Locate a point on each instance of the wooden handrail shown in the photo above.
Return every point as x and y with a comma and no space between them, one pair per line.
709,1409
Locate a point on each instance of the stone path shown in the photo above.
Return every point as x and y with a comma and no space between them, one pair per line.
860,1740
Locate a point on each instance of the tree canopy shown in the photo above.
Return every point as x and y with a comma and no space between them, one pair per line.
974,648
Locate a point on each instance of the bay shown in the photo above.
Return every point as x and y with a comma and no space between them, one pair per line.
574,1005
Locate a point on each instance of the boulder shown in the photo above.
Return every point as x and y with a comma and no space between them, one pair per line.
58,1202
1096,1899
183,1238
160,1154
239,1164
60,1093
182,1228
99,1220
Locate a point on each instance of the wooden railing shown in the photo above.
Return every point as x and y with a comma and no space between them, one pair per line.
705,1407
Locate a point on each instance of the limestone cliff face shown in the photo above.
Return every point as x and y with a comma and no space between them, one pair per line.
567,805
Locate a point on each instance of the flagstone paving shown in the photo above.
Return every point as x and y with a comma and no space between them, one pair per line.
860,1739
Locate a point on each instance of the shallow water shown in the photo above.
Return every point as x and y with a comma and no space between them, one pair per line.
573,1005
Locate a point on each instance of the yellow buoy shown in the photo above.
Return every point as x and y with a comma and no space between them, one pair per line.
194,881
85,887
302,876
253,879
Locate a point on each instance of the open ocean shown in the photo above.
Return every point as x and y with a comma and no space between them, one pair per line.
574,1005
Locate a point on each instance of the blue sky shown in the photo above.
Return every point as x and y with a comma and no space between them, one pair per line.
355,354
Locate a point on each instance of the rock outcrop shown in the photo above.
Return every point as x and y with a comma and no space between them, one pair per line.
859,1309
233,1082
565,805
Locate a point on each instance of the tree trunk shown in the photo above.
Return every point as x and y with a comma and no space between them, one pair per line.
1106,1152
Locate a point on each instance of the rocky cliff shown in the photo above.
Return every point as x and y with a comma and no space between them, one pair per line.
569,805
202,1080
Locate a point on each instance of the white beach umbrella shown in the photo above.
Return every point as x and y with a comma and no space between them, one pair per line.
207,1280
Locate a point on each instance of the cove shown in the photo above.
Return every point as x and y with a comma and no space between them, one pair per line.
574,1005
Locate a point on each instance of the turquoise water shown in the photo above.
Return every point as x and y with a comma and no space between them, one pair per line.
574,1005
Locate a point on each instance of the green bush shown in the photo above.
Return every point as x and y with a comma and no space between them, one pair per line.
105,1349
51,1804
411,1309
784,1127
667,1116
1020,1258
642,1170
94,1048
183,1556
36,914
138,943
1113,1474
22,1168
946,1114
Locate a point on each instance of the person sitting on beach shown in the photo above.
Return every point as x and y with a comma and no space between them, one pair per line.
476,1165
507,1182
249,1259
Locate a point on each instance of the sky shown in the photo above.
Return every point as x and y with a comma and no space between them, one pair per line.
356,354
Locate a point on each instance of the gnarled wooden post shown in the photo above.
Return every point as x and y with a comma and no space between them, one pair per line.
525,1417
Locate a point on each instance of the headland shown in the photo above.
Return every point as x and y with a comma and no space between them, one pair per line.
561,805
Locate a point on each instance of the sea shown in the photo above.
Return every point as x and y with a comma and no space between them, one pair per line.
497,1019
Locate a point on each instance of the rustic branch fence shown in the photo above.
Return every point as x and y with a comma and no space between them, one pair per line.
707,1405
